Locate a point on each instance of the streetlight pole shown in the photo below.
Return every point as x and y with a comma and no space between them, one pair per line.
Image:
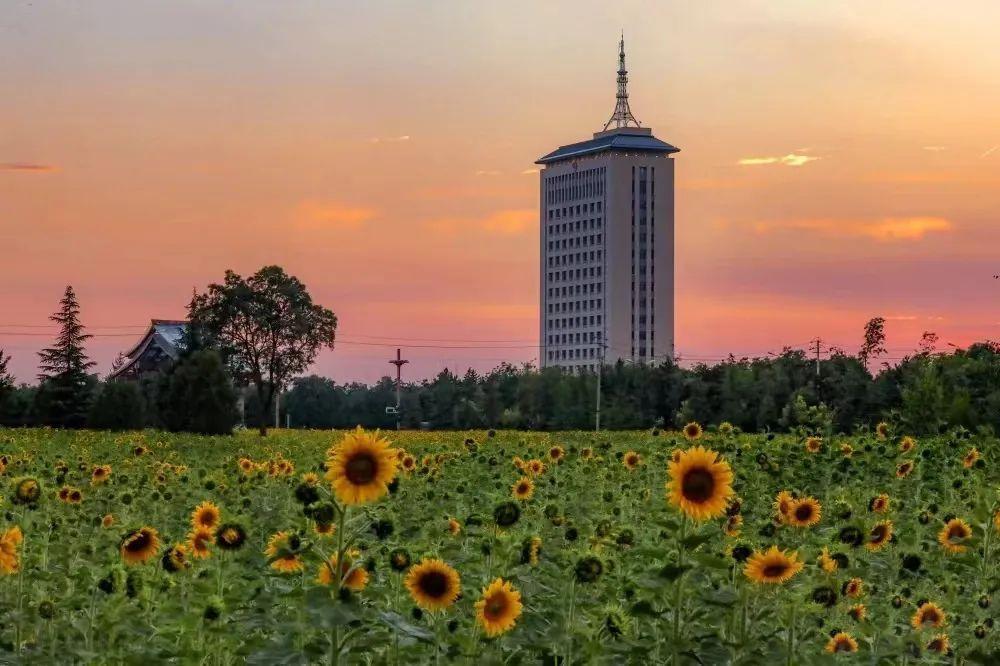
600,372
399,362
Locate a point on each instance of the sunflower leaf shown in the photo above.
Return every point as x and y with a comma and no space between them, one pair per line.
398,624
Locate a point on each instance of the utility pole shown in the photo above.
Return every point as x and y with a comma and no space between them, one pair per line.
818,342
277,409
399,362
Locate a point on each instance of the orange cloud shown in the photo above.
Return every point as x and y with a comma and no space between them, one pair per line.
28,166
331,215
886,229
503,222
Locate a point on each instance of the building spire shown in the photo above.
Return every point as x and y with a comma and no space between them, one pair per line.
622,117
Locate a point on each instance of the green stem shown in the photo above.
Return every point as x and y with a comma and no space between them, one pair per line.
569,621
679,592
791,635
335,646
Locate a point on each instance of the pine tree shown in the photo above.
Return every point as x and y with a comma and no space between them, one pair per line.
6,379
66,387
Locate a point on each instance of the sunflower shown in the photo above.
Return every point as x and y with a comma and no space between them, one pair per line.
535,467
939,644
523,489
726,428
175,559
247,466
805,512
75,496
904,469
846,450
928,614
408,463
310,479
733,525
879,503
10,542
63,494
362,467
996,521
433,584
324,529
700,484
230,536
534,550
882,430
140,545
853,588
557,453
772,566
586,453
827,563
907,444
879,536
498,609
783,504
693,431
968,461
841,642
282,552
26,491
454,527
814,444
352,577
631,460
100,474
199,540
858,612
205,515
953,535
107,521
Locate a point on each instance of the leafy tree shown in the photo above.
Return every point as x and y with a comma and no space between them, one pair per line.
266,327
6,379
198,396
314,402
874,342
66,388
118,406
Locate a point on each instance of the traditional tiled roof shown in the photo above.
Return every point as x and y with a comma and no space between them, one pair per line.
165,334
622,139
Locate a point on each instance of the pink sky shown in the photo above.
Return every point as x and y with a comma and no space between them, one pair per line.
838,162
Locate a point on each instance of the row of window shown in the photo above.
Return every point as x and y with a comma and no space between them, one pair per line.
569,227
574,322
590,337
578,241
574,274
566,354
575,258
575,185
574,306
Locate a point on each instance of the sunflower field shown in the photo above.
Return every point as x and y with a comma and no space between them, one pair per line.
691,547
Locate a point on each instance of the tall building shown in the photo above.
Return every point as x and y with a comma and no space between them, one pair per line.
607,235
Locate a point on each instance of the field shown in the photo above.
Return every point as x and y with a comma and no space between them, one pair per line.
608,569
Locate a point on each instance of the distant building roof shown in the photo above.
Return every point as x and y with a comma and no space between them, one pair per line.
625,139
161,340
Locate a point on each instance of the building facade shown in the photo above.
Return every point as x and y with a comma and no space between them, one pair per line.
157,350
607,245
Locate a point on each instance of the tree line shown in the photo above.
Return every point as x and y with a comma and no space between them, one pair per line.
251,339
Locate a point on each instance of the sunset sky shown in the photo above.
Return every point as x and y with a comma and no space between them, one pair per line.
839,161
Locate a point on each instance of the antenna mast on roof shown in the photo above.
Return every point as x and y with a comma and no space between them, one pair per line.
622,117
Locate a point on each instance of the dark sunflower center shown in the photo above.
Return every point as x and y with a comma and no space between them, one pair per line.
434,584
956,533
878,534
495,606
361,469
842,646
804,512
137,543
698,485
775,570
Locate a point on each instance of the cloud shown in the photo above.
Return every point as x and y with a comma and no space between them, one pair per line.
990,151
791,159
529,171
389,139
28,166
901,317
886,229
488,172
508,222
331,215
935,149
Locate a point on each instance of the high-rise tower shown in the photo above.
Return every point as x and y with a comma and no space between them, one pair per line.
607,235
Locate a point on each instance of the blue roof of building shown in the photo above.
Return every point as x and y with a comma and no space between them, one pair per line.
610,141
